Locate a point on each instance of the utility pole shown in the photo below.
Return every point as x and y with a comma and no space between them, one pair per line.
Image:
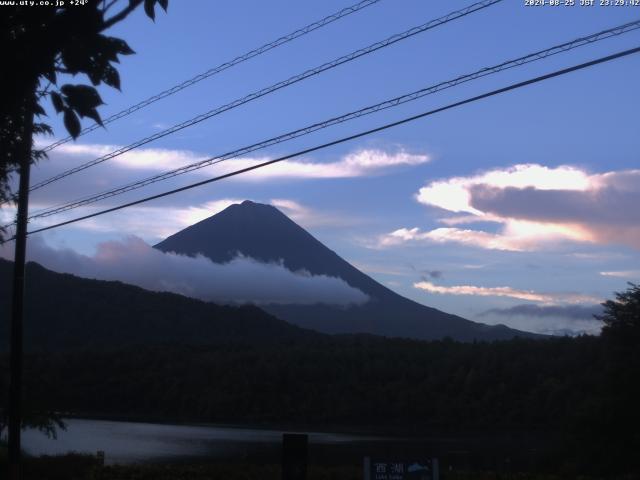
17,305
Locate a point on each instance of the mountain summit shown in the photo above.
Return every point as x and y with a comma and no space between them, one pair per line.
266,234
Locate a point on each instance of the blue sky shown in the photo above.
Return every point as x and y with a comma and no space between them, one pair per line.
527,198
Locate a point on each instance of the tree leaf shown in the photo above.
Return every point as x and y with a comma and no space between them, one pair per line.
51,75
109,48
164,4
42,128
76,58
56,99
149,9
95,116
81,97
121,46
71,123
38,110
95,74
37,155
111,77
83,100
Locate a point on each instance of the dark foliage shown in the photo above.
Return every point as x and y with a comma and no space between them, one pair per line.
72,466
38,44
560,386
621,316
583,390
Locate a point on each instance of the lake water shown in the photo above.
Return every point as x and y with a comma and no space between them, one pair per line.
133,442
129,442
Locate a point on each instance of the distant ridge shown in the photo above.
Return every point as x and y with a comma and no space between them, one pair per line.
263,232
65,312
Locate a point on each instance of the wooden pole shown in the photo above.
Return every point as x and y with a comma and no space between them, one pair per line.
17,305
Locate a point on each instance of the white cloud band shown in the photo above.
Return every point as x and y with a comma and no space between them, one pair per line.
243,280
530,295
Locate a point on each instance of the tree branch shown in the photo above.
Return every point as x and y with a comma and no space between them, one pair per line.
45,91
107,6
124,13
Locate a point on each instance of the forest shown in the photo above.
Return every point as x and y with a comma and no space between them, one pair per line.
582,390
578,396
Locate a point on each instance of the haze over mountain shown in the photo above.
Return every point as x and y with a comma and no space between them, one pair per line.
264,233
66,312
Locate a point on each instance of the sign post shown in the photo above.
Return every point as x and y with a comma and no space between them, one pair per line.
379,469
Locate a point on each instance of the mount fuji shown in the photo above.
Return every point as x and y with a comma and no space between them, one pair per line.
264,233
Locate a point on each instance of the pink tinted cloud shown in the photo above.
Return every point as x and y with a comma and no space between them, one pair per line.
535,207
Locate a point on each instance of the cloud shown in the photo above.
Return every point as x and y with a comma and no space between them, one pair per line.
537,207
604,214
576,312
151,222
155,222
622,274
242,280
425,272
144,163
551,319
454,194
474,238
436,274
373,268
530,295
356,164
138,159
307,216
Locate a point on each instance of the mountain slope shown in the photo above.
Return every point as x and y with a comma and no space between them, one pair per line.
266,234
68,312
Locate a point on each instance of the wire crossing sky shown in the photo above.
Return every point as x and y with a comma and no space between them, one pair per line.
222,67
520,210
279,85
532,57
351,137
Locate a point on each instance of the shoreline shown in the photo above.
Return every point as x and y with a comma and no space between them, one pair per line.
382,431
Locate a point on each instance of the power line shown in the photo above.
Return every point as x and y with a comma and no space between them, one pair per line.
223,66
532,57
277,86
492,93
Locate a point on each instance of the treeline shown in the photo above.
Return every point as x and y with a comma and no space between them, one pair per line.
585,389
358,381
65,312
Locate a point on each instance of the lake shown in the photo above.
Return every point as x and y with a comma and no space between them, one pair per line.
132,442
136,442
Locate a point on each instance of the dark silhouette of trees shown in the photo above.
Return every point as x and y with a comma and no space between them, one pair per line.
231,365
622,315
618,421
48,423
38,44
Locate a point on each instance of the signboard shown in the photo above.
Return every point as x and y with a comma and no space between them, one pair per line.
379,469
